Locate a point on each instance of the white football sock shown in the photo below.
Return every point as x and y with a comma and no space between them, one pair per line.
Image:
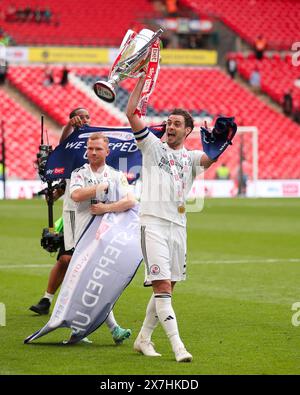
49,296
167,318
111,322
151,320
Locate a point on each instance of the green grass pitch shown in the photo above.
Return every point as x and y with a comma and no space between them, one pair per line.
234,311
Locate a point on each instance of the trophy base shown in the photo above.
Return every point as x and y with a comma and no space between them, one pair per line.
105,91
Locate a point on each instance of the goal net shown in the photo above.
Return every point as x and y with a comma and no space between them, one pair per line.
241,158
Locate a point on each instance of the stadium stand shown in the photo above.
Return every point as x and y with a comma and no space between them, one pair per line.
22,139
80,22
278,75
56,100
217,94
276,20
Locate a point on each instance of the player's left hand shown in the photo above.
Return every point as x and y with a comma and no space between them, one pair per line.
76,122
99,209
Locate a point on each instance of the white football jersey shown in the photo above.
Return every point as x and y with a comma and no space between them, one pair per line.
68,204
159,197
85,177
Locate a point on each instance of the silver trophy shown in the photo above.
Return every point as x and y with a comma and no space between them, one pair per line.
133,56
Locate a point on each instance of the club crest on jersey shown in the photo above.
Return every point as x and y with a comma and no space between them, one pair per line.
154,269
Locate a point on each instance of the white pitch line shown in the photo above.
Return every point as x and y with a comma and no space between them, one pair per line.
23,266
232,261
216,262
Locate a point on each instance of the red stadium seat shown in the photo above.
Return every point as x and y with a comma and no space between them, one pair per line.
103,24
277,21
22,138
65,98
278,76
204,90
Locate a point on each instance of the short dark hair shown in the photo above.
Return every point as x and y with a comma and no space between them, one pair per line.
73,113
188,119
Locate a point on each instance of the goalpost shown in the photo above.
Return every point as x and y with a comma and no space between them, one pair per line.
247,148
254,131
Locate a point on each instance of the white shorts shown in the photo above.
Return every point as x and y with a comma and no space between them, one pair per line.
164,249
69,229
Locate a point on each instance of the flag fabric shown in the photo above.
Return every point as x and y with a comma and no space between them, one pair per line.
124,153
104,262
216,141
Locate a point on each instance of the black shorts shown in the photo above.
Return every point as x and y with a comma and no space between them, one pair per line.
62,251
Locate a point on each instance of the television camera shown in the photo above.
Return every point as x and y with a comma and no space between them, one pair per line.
51,240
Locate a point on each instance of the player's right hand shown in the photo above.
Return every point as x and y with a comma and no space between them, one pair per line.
103,187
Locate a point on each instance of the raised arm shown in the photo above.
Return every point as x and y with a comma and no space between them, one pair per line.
69,127
66,131
135,121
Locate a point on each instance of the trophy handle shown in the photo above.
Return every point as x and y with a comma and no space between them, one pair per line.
105,91
139,54
128,35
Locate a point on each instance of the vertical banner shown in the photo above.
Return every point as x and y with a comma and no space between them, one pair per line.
105,260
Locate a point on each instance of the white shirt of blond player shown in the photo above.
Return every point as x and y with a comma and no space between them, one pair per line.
159,196
84,177
68,204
